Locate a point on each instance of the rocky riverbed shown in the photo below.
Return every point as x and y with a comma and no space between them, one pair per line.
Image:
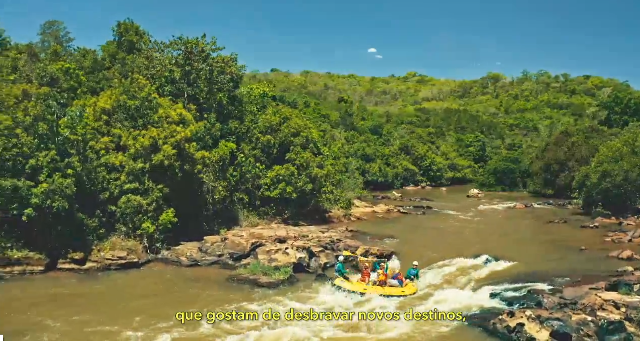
605,310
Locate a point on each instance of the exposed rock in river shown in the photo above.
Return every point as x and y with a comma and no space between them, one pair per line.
475,193
262,281
305,248
601,311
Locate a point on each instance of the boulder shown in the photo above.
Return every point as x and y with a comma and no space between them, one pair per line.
624,255
475,193
590,226
280,255
262,281
29,263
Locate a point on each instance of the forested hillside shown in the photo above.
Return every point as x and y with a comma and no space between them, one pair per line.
169,140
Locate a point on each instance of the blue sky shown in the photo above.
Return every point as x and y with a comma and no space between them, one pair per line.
445,39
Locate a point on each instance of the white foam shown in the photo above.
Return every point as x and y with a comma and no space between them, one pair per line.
499,206
448,285
447,211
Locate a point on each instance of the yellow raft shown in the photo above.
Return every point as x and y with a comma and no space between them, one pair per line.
361,288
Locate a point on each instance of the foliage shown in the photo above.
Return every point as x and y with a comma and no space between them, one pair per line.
612,180
164,141
258,269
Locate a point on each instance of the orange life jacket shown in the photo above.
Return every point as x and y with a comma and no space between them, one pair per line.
365,274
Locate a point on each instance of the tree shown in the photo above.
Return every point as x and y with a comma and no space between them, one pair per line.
612,180
54,33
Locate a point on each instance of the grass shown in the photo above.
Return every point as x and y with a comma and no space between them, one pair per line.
258,269
16,253
250,219
117,243
626,292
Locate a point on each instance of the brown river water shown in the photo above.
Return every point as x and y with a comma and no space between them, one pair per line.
448,242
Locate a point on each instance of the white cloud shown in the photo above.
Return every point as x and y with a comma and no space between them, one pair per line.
372,50
498,63
378,56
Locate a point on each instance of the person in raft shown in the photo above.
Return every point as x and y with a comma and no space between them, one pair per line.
382,278
378,267
366,274
413,274
340,270
397,280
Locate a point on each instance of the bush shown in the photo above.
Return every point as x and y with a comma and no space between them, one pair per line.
258,269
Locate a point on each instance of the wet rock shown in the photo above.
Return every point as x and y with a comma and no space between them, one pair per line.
614,331
625,269
583,248
475,193
582,312
25,264
557,221
627,284
262,281
519,206
602,220
117,260
590,226
322,278
379,252
193,254
419,199
624,255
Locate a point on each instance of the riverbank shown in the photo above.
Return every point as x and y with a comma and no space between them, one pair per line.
304,249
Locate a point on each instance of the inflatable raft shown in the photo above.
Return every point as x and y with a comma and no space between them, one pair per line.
361,288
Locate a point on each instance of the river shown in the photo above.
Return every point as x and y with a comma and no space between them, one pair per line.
448,242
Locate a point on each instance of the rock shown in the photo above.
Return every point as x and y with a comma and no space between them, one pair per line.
614,331
561,333
281,255
583,248
194,253
443,188
29,263
582,312
557,221
624,255
396,195
348,245
262,281
625,269
374,252
321,277
590,225
475,193
519,206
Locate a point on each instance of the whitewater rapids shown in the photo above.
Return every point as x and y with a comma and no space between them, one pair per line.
449,285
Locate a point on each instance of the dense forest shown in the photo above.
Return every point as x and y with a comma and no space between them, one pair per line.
165,141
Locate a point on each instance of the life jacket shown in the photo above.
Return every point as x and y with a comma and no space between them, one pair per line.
366,273
398,277
382,276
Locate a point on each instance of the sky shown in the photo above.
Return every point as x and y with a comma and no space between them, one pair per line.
458,39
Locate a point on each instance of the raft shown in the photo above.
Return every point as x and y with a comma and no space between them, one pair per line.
361,288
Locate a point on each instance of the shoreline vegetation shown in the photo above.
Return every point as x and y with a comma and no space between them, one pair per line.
145,150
